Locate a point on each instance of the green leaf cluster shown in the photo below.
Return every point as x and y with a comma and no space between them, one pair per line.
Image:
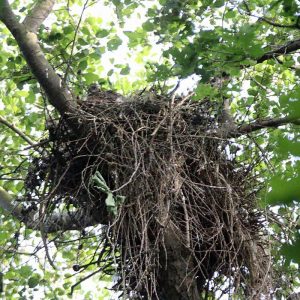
112,201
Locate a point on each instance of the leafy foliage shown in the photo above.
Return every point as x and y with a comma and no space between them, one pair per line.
168,41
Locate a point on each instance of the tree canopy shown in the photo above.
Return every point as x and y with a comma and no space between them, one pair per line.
211,59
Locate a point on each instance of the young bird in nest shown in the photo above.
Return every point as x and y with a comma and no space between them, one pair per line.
94,92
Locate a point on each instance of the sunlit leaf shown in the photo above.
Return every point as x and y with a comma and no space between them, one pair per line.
284,190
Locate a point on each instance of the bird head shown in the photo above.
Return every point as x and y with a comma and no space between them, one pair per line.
93,89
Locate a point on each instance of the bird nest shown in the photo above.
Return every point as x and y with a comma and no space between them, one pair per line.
178,210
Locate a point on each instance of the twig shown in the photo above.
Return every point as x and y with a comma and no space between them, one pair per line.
175,89
11,179
130,179
42,216
187,222
17,131
185,99
83,279
37,144
74,40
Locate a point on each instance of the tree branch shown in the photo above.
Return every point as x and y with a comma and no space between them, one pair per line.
288,48
268,21
6,203
38,14
17,131
58,95
76,220
260,124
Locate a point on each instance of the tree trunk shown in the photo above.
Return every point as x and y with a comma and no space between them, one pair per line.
177,280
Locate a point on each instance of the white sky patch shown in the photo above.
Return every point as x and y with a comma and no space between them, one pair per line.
124,55
188,84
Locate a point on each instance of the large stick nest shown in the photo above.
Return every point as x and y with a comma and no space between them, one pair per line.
171,199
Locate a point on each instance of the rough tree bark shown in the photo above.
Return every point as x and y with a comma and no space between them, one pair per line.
177,280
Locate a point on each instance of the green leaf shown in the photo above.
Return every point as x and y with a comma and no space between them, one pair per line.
125,71
91,78
204,90
83,65
114,43
33,281
85,30
119,199
55,36
102,33
11,41
291,251
82,42
149,26
4,235
252,92
287,146
99,182
68,29
110,201
284,190
230,14
31,97
25,271
218,3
